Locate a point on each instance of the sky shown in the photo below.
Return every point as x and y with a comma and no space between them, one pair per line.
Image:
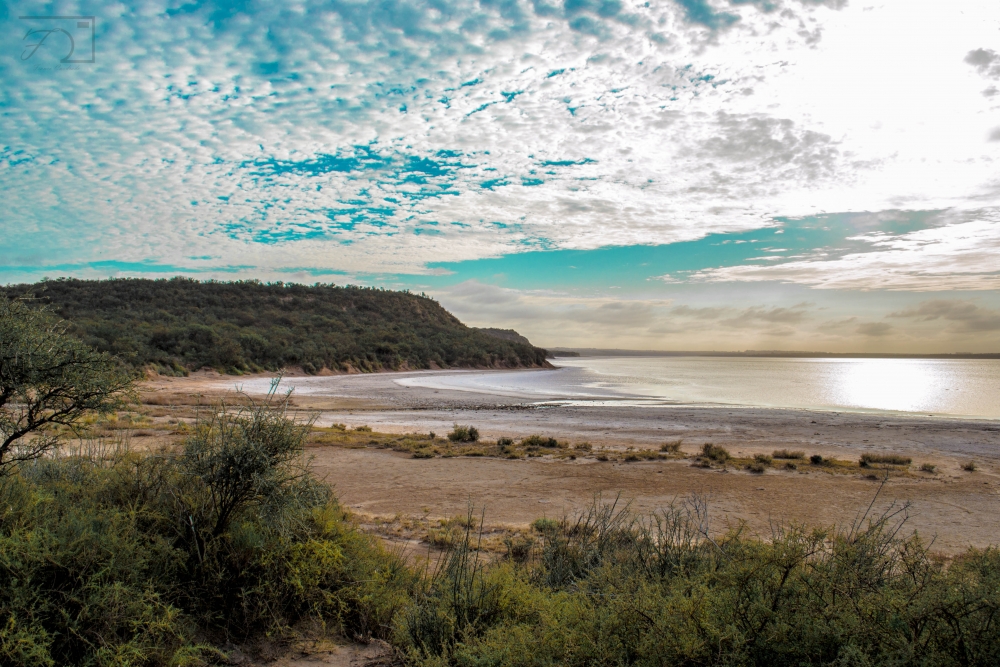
673,174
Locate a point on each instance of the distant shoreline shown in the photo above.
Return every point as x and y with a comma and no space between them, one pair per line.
599,352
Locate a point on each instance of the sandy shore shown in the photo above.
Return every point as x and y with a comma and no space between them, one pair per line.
958,507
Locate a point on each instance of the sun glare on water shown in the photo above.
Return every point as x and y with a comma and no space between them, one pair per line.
888,384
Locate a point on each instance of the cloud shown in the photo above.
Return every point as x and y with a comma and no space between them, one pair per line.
967,316
772,315
377,137
874,329
986,62
770,144
961,255
701,12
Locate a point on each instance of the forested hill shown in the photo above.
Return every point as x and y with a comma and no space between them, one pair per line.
179,325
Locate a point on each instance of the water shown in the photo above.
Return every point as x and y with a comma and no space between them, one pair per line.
960,387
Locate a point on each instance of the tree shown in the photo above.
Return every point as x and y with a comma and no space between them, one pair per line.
48,378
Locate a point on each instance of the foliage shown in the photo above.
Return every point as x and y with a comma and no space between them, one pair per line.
618,588
464,434
715,452
111,557
539,441
49,379
179,325
785,454
885,459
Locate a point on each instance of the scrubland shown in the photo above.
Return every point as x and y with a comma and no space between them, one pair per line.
221,540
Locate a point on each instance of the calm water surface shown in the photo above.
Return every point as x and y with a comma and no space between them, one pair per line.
962,387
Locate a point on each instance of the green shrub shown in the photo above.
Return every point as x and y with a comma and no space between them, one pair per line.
715,452
539,441
816,460
112,557
763,459
464,434
756,467
786,454
615,588
505,442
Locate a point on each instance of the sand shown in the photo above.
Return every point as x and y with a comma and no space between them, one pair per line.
954,507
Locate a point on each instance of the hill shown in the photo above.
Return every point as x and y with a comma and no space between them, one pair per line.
178,325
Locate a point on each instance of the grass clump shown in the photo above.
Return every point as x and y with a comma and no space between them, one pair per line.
868,460
786,454
928,467
969,466
539,441
505,442
762,458
464,434
673,447
715,453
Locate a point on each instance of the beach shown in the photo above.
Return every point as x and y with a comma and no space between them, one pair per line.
954,507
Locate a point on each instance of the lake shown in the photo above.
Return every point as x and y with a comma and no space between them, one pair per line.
952,387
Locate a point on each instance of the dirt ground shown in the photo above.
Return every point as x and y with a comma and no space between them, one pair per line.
954,507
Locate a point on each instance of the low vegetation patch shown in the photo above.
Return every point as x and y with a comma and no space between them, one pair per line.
539,441
612,587
786,454
715,453
884,459
464,434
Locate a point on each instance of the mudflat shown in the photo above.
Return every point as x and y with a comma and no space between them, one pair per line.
954,506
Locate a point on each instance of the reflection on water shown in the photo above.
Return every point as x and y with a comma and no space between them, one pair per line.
889,384
930,386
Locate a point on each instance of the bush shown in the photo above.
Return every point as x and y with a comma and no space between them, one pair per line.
539,441
791,466
112,557
615,588
464,434
673,447
886,459
762,458
969,466
714,452
928,467
816,460
505,442
757,467
785,454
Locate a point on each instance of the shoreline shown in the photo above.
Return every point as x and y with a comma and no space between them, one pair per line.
956,506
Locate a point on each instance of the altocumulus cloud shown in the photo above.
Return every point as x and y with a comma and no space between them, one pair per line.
379,136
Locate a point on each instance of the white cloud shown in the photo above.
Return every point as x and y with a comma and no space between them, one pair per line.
691,127
960,256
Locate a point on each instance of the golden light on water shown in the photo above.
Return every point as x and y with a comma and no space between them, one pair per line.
888,384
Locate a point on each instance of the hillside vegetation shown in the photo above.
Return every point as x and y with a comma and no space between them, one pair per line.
179,325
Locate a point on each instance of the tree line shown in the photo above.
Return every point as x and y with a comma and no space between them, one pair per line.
178,325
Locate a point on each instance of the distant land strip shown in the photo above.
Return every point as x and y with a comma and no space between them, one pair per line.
599,352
